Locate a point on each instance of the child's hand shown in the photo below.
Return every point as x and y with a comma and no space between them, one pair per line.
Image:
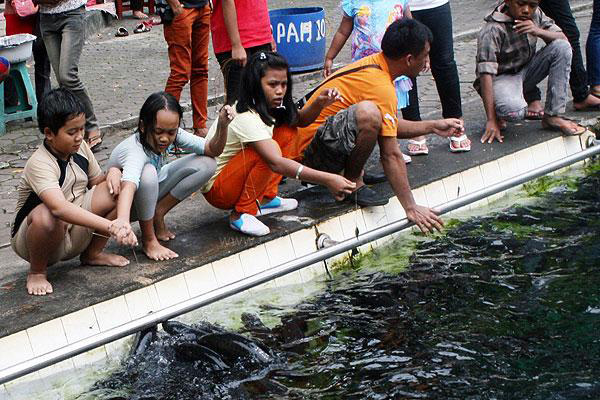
122,232
526,26
340,186
113,180
226,115
327,67
328,97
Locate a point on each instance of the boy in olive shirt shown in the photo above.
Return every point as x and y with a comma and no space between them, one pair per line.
64,197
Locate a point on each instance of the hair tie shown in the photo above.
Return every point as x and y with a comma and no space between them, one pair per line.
262,56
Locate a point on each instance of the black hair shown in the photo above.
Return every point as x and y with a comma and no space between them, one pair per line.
56,108
251,96
147,120
405,36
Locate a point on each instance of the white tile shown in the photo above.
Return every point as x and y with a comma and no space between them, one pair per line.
94,356
350,222
572,144
524,161
540,154
201,280
491,173
508,167
454,187
254,260
112,313
228,270
47,337
394,210
80,324
153,295
303,242
333,228
280,251
172,290
139,303
3,393
556,148
374,217
15,349
472,179
420,197
435,193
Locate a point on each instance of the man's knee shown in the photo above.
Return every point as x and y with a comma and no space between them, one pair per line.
368,118
562,49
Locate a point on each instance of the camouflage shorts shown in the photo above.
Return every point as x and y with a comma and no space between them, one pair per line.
334,141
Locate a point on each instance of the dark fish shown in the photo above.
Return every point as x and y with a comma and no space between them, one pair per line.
233,346
197,352
143,339
175,328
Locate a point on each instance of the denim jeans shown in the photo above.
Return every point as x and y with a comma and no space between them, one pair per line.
443,66
63,35
593,47
560,12
554,62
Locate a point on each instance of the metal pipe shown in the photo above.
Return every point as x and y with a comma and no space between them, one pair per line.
154,318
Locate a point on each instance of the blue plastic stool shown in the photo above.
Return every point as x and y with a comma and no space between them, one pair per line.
27,107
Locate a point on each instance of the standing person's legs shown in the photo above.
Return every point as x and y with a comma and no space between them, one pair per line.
200,37
593,51
178,35
560,12
42,63
232,71
63,35
137,6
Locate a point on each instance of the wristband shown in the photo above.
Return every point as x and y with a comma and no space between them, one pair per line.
299,171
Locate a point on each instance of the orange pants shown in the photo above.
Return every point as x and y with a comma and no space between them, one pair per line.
247,179
187,36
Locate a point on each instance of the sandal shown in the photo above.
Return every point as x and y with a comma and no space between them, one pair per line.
457,144
122,32
419,147
534,115
580,130
95,141
143,27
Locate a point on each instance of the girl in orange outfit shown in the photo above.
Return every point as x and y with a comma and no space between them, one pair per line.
259,142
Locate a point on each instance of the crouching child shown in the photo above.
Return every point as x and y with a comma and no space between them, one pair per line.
65,203
509,65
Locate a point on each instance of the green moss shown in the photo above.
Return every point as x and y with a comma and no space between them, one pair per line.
538,187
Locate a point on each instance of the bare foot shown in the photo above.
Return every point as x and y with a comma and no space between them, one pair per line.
161,231
156,251
139,15
38,285
105,259
565,126
535,110
591,102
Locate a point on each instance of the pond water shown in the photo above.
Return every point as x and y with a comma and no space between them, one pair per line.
501,306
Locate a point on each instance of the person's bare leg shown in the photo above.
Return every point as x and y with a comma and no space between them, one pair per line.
368,120
45,234
138,14
103,204
152,248
535,109
162,208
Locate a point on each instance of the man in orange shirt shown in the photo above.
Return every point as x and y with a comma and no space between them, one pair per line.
344,134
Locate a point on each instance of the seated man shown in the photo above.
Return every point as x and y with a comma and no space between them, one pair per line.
509,65
64,197
345,132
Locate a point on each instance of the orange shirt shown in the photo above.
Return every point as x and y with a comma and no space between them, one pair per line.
371,84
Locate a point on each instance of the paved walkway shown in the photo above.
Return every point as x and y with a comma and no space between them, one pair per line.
121,72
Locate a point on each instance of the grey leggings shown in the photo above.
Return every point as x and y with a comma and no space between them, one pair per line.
184,176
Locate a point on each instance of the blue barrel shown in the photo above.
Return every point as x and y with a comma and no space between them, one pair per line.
300,36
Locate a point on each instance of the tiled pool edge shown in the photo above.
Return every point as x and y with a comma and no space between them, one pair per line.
70,328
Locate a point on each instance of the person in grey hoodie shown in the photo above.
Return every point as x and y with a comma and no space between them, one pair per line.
508,64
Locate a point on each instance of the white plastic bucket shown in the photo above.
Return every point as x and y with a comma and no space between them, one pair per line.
16,48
